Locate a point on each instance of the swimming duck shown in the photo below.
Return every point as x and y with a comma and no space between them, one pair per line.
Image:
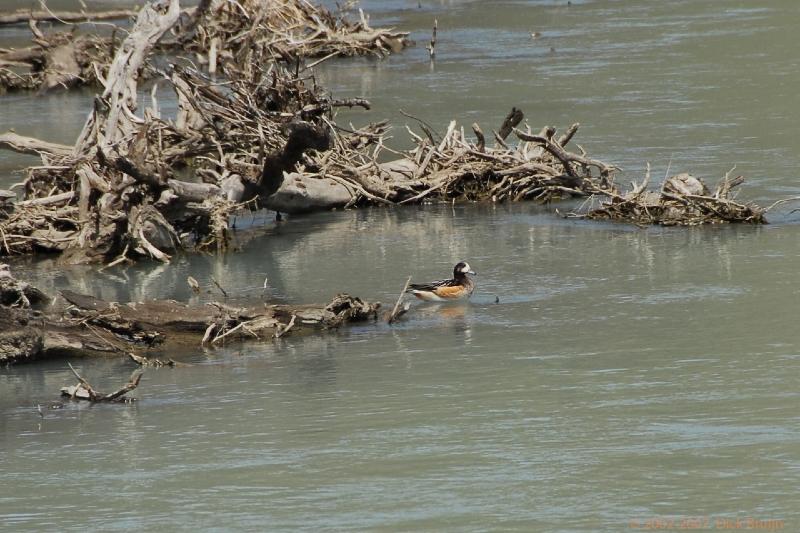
460,286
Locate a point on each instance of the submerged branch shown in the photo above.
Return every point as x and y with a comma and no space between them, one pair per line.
84,391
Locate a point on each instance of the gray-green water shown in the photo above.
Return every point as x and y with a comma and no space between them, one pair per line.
624,375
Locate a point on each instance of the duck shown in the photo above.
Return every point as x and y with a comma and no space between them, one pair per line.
457,288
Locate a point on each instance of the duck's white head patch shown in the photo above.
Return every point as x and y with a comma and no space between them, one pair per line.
464,268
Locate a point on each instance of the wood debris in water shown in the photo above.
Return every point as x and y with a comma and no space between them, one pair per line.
682,200
399,308
213,33
84,391
448,168
121,192
78,325
284,30
261,135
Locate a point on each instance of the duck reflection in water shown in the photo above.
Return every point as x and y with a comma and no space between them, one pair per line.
449,319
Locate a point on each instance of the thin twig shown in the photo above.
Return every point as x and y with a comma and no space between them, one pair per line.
397,312
281,331
219,287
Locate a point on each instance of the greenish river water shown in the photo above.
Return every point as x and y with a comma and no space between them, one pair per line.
602,376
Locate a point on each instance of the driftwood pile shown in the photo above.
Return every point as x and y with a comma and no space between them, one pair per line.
450,167
682,200
112,193
35,326
260,137
58,60
280,30
96,205
116,193
261,134
211,34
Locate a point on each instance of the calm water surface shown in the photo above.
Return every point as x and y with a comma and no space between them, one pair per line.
601,376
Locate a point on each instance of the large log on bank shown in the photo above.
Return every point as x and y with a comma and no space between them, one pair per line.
78,325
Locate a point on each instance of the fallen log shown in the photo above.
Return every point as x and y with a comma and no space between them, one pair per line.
31,145
32,327
62,17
